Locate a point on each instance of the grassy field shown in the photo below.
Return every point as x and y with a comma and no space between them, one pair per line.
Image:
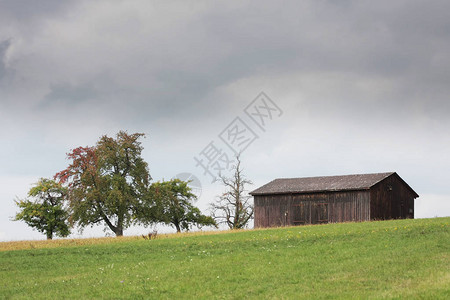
389,259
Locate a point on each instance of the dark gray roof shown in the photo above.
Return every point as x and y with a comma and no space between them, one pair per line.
321,184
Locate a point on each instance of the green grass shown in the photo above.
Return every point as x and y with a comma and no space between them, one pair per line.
389,259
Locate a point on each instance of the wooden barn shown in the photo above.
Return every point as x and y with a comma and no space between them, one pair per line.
330,199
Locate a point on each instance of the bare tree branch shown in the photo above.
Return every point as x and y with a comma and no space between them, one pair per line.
233,207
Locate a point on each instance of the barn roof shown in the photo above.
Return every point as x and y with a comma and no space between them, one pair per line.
321,184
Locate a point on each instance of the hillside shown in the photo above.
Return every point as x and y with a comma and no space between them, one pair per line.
388,259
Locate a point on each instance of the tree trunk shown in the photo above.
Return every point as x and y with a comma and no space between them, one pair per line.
119,226
119,230
49,235
177,226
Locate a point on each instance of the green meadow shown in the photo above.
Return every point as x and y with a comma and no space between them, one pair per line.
386,259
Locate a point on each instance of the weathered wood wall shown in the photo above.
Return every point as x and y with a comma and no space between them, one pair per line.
391,199
313,208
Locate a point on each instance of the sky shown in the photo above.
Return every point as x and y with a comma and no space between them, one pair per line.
300,88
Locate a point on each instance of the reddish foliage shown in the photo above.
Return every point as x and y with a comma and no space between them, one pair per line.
84,161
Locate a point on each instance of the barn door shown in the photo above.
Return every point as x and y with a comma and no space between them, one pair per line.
310,212
300,214
319,213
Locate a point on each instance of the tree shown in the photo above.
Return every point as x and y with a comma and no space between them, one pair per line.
174,199
107,183
46,213
233,207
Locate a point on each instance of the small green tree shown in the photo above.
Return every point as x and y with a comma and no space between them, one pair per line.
46,213
174,201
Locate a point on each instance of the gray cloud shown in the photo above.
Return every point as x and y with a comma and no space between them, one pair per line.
23,10
66,93
4,45
27,16
191,56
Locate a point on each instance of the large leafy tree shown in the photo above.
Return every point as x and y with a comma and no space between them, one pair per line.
233,207
175,205
46,211
107,183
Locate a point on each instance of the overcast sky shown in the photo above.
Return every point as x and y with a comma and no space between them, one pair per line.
355,87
